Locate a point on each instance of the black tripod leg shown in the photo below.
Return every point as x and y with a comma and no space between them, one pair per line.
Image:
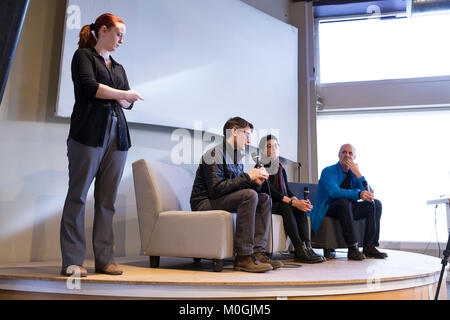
444,264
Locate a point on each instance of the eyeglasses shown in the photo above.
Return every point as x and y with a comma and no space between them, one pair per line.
247,134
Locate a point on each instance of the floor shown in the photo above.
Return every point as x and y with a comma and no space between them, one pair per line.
185,274
184,271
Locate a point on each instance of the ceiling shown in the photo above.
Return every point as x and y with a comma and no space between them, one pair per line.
334,8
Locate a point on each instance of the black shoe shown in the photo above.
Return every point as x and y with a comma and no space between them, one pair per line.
302,255
372,252
264,258
329,254
312,253
354,254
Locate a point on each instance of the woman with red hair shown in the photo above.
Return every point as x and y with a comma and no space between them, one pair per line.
97,146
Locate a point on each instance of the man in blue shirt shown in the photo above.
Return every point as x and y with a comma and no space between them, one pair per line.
340,187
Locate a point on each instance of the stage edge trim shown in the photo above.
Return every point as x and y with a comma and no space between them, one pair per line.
162,291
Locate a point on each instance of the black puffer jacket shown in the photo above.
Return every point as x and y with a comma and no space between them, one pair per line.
219,174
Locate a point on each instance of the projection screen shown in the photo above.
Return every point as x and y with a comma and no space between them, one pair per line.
198,63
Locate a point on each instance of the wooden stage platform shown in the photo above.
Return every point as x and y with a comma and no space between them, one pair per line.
401,276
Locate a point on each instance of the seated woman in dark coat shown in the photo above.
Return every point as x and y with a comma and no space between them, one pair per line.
286,204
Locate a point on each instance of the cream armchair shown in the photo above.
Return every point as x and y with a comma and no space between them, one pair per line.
167,225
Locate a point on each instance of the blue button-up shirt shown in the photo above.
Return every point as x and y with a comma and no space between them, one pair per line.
329,190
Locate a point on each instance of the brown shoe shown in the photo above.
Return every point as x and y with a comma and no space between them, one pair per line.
110,268
250,264
264,258
74,270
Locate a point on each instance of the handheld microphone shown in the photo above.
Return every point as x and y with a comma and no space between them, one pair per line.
256,159
305,193
367,188
366,185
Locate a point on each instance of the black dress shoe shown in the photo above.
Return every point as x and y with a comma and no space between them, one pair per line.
329,254
372,252
354,254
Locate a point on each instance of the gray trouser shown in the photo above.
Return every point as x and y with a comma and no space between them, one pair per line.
252,218
105,164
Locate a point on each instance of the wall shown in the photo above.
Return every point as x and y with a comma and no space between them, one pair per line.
33,162
301,16
276,8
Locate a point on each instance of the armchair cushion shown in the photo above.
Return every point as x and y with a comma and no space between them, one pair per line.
199,234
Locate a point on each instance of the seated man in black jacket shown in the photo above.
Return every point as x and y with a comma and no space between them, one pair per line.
221,184
284,202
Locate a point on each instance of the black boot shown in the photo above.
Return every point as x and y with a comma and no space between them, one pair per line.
302,255
312,253
329,254
354,254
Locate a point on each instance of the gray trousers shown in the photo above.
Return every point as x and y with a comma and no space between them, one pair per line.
105,164
252,218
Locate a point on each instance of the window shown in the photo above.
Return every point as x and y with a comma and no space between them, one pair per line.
377,49
405,158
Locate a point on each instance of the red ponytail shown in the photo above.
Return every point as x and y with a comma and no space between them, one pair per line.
87,38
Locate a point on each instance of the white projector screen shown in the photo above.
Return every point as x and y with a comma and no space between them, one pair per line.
198,61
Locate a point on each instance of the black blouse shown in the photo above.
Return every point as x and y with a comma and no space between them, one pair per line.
90,115
275,192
